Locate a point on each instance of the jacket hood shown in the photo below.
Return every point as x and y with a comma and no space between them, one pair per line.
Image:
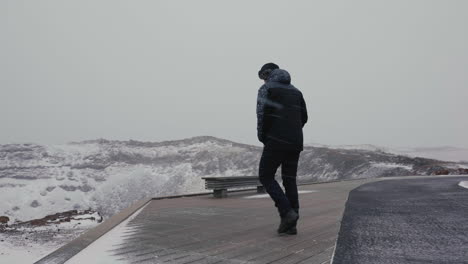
279,75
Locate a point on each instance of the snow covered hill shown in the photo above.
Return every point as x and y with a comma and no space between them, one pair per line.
441,153
445,153
106,176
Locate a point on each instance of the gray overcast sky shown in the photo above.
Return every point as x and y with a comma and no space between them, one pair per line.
391,73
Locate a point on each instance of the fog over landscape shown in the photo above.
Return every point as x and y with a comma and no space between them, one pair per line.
387,73
104,103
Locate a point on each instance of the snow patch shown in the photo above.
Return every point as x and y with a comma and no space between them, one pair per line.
463,184
101,249
391,165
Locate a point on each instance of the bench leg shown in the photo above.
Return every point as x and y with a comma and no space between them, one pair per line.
260,189
220,193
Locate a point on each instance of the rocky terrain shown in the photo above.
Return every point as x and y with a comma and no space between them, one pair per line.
52,193
106,176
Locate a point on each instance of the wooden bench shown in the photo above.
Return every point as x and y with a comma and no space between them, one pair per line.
219,185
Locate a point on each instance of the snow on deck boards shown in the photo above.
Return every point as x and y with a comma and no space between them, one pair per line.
204,229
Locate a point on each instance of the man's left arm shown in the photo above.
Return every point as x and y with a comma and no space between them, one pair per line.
261,98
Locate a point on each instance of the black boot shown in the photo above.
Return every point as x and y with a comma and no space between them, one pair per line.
288,221
293,229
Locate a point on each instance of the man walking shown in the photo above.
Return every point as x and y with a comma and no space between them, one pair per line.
281,115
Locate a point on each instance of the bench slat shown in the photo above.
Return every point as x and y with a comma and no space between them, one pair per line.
230,177
230,186
221,184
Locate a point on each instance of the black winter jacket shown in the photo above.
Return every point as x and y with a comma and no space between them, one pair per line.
281,113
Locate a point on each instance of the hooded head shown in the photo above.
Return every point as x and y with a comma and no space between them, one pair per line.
266,69
279,75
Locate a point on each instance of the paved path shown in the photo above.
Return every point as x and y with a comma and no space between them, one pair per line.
405,221
203,229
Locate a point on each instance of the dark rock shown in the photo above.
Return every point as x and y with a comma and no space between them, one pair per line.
61,217
35,204
442,172
4,219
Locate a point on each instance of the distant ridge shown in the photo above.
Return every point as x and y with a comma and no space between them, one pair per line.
445,153
191,140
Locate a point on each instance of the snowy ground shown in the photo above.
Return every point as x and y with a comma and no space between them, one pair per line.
106,177
19,250
26,245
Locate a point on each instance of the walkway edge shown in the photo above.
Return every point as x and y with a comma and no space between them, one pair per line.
70,249
341,219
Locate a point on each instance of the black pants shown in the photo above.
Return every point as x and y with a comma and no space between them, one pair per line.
269,163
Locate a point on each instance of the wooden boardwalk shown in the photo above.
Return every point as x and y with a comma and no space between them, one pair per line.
237,229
